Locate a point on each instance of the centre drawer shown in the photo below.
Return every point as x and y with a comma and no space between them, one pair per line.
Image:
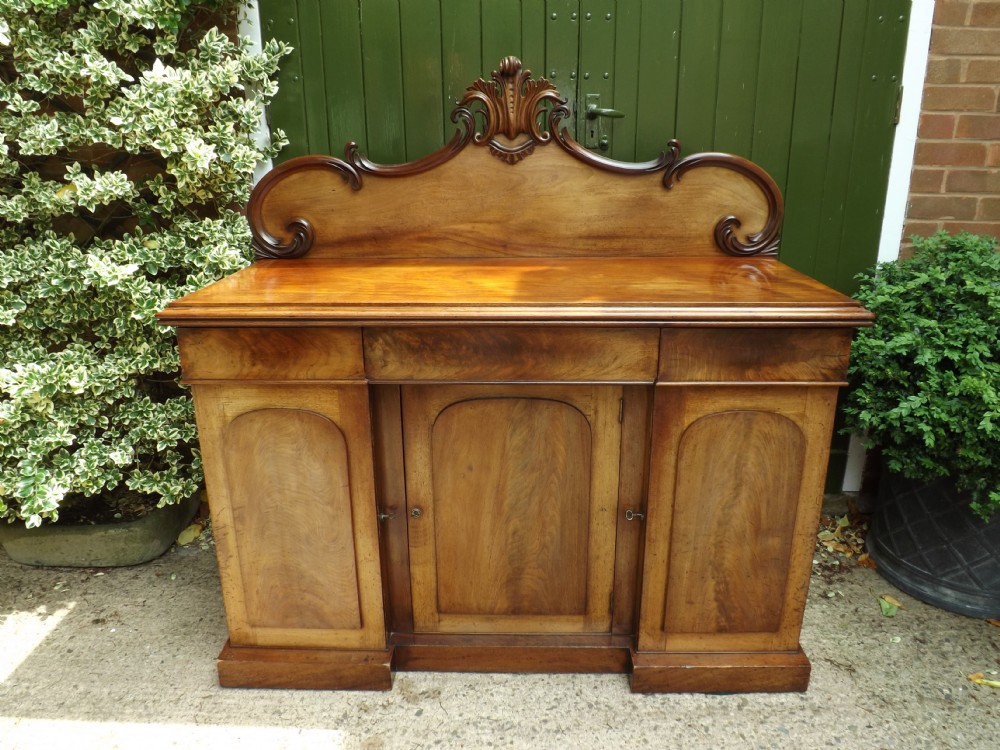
509,354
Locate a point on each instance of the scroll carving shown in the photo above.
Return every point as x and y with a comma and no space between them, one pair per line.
764,242
511,114
301,232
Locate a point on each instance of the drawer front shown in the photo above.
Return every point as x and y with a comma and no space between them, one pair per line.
739,355
487,354
271,354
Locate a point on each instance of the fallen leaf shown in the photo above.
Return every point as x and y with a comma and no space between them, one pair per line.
889,608
991,621
978,678
838,547
189,534
893,601
865,561
843,536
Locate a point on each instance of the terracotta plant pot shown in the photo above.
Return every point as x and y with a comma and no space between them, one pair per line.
928,543
99,545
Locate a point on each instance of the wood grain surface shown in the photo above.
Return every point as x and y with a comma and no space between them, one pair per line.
738,356
767,672
271,354
288,475
317,669
516,490
503,354
550,205
730,490
290,484
742,466
710,291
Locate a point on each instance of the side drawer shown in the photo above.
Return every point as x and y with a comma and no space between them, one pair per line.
271,354
505,354
740,355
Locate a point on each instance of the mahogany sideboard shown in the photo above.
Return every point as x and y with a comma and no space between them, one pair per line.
515,407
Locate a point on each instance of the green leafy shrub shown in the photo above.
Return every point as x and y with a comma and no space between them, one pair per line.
127,145
926,377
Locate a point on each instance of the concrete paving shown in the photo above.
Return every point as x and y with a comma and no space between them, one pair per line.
125,658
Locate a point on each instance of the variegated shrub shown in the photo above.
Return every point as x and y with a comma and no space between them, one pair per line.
127,146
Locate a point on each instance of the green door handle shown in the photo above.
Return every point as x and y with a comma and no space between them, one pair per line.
593,112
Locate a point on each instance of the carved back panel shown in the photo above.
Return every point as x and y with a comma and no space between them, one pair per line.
513,182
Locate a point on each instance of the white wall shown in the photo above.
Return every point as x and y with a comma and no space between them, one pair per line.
914,70
249,27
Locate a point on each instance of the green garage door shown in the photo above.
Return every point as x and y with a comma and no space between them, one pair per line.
807,88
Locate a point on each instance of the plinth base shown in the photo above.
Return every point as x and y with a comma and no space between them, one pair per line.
248,666
720,673
651,672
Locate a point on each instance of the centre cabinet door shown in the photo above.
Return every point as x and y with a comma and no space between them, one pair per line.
512,498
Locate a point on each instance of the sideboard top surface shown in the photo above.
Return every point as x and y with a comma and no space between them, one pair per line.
654,291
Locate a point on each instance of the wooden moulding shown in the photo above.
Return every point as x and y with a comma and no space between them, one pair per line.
773,672
737,210
322,669
509,654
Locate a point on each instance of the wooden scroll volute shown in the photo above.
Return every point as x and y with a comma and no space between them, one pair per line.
451,207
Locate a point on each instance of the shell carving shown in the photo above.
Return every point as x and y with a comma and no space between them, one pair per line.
511,104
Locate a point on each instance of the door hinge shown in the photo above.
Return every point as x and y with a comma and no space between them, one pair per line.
621,410
899,106
611,603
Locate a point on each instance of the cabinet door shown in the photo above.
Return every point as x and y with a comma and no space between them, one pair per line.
512,501
291,488
735,489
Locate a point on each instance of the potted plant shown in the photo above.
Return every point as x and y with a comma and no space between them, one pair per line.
926,392
127,144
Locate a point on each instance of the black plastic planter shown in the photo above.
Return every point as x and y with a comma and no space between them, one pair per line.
928,543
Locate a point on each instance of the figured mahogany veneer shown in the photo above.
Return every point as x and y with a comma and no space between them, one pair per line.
509,354
515,407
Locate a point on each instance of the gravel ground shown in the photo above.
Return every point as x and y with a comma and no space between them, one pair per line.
125,658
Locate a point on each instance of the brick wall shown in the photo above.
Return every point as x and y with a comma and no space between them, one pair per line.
955,183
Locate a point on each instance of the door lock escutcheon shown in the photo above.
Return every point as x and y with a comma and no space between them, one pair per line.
595,133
